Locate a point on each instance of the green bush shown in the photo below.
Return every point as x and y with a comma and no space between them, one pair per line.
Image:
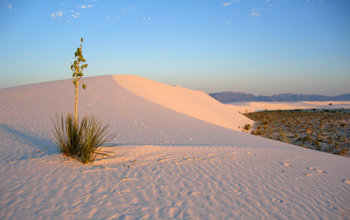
81,140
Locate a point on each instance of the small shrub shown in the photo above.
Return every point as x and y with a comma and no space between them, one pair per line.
81,140
343,151
247,127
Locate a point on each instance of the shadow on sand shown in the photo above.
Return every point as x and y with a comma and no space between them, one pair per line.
43,146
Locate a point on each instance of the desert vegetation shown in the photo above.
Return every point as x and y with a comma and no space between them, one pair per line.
80,139
320,129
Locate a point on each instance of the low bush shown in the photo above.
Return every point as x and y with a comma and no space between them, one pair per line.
81,140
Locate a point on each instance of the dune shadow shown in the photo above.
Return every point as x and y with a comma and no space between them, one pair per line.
31,139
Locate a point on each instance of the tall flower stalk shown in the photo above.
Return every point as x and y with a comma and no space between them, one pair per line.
78,67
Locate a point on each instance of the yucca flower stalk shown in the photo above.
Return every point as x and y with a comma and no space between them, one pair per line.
78,67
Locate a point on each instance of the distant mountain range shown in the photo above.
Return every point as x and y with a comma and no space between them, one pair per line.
225,97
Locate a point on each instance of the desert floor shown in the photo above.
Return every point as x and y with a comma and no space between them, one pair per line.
178,158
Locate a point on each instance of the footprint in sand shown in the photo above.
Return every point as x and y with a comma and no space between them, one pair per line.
286,164
231,153
251,153
279,201
194,193
346,181
318,170
338,209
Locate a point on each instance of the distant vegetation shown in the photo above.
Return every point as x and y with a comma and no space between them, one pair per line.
323,130
226,97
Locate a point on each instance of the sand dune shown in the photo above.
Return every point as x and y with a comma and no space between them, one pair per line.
179,156
196,104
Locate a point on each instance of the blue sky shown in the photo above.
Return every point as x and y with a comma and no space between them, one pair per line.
262,47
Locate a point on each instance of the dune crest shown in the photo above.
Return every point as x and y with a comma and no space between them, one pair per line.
193,103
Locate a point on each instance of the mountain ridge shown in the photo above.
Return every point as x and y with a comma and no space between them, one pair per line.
230,96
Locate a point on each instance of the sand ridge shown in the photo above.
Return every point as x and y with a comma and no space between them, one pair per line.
196,104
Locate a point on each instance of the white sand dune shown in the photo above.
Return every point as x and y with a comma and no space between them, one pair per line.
180,156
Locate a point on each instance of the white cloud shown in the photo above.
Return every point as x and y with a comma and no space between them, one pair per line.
77,15
226,4
83,7
9,6
267,1
57,14
258,9
68,21
71,11
128,8
237,1
89,6
255,14
108,17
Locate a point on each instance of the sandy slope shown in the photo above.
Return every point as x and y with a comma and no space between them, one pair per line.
196,104
168,165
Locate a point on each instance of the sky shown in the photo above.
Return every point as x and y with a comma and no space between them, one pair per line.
263,47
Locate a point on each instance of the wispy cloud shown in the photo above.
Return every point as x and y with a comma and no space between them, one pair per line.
128,8
226,4
8,5
68,21
267,1
278,3
255,14
57,14
237,1
85,6
77,15
258,9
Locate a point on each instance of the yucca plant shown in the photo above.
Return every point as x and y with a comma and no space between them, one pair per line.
68,135
82,141
95,137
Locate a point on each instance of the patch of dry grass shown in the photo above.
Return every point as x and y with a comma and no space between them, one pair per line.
326,130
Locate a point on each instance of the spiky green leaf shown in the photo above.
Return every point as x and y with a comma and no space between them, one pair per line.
84,86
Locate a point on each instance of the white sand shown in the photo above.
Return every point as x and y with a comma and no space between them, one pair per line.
260,106
183,165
